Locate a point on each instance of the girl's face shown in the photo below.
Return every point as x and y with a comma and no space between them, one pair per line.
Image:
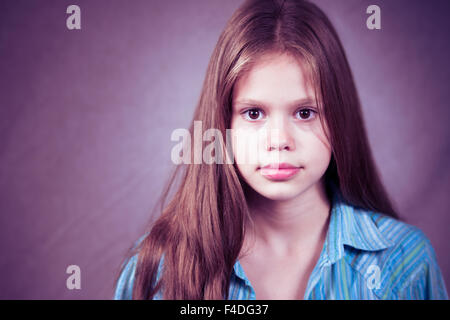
273,102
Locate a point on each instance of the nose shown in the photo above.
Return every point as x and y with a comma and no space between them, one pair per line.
280,135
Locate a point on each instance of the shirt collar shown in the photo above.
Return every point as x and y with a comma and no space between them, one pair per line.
352,226
239,272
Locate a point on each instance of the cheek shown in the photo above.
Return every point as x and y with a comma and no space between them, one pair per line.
320,153
320,140
244,150
245,155
323,134
246,145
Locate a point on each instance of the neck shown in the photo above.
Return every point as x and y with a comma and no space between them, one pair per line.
289,226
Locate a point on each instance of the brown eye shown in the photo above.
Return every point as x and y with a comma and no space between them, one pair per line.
306,114
252,114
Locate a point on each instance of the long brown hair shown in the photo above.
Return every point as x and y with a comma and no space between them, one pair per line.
201,230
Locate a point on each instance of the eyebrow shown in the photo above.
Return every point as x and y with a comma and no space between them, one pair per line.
303,101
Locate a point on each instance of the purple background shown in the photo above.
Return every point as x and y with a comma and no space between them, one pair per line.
86,117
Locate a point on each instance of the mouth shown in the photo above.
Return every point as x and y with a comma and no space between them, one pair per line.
279,171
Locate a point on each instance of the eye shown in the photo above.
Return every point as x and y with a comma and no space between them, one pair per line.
306,114
252,114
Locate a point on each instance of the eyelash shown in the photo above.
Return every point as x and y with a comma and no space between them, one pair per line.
259,110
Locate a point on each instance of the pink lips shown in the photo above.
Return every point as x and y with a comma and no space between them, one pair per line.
279,171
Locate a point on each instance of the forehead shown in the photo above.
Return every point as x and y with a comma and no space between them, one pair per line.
275,78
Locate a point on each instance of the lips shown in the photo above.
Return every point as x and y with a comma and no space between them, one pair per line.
279,171
282,165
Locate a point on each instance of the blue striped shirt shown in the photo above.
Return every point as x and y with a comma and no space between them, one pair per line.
366,255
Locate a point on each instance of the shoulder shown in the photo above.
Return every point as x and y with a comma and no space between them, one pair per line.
405,239
124,284
408,245
408,266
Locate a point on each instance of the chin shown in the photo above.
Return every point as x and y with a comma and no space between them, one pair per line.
279,197
278,192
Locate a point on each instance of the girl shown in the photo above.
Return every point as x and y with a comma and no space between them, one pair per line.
316,223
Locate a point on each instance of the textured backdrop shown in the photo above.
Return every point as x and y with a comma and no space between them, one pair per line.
86,117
